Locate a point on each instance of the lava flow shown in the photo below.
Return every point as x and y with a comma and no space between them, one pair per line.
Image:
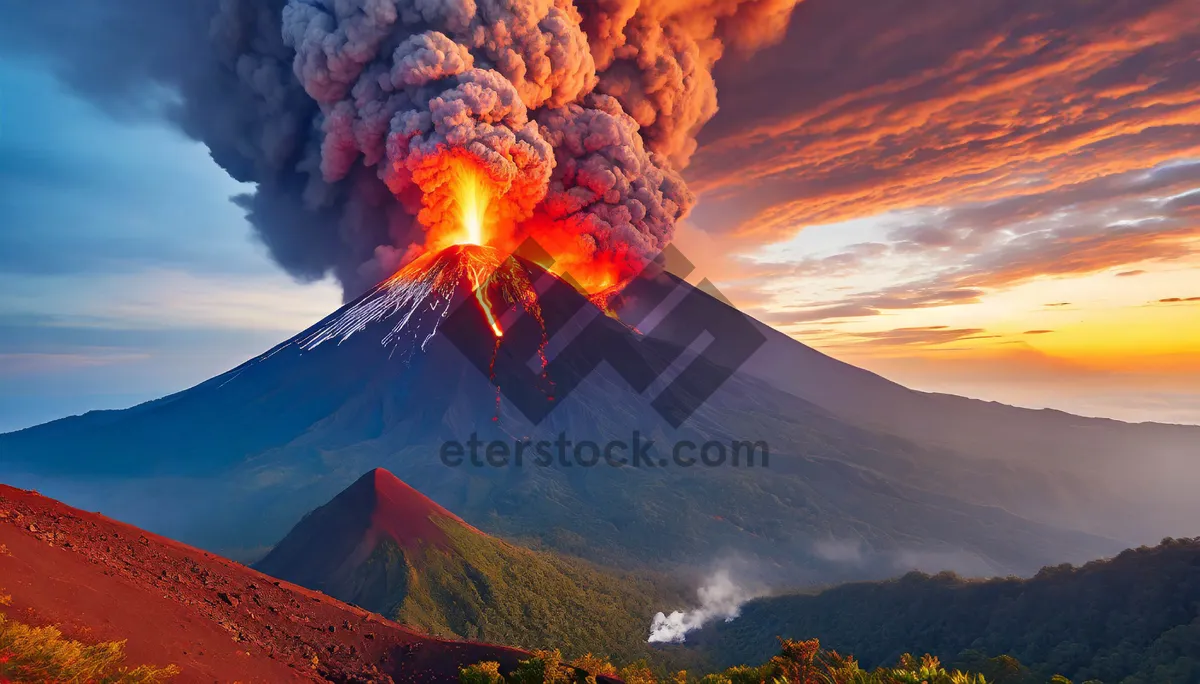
422,293
472,196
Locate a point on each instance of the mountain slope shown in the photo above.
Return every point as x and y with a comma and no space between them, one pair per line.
216,620
384,546
235,462
1135,482
1132,619
1132,482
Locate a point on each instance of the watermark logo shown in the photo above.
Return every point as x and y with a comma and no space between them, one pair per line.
716,339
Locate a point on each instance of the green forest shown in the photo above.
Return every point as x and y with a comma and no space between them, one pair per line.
1132,619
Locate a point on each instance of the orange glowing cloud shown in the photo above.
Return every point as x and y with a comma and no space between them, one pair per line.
969,105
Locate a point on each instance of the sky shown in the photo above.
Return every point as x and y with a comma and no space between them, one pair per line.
125,271
999,199
995,199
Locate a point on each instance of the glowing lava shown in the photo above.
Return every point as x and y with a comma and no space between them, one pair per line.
479,273
464,204
472,195
466,207
422,293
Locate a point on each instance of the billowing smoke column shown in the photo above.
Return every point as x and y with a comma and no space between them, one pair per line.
355,118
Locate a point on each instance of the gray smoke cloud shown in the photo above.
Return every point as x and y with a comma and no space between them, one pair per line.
345,112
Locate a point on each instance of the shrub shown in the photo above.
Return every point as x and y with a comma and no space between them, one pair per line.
487,672
798,662
545,667
41,654
640,673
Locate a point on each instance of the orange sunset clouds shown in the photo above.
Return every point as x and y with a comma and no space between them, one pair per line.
997,198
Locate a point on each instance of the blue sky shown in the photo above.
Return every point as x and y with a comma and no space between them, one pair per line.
125,272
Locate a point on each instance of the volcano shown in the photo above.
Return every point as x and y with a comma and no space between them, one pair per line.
391,378
335,541
384,546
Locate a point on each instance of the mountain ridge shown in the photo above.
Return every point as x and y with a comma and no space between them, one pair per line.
1100,475
284,432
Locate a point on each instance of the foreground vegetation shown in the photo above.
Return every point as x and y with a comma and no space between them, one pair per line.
798,662
1134,619
42,655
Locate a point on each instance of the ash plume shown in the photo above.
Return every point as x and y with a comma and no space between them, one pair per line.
348,114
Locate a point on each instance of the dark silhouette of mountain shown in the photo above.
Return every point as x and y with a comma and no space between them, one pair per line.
235,462
384,546
1133,619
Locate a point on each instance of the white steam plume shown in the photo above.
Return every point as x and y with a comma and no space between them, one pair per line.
721,598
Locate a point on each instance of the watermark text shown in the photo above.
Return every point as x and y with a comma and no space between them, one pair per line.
636,452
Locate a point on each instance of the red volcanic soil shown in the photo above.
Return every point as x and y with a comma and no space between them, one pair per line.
331,542
101,580
398,511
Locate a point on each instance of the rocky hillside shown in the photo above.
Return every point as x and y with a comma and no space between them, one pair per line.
100,580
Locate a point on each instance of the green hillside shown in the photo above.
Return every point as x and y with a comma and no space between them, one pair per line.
484,589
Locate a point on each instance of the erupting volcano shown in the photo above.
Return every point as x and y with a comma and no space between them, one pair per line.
463,263
378,133
465,266
472,233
